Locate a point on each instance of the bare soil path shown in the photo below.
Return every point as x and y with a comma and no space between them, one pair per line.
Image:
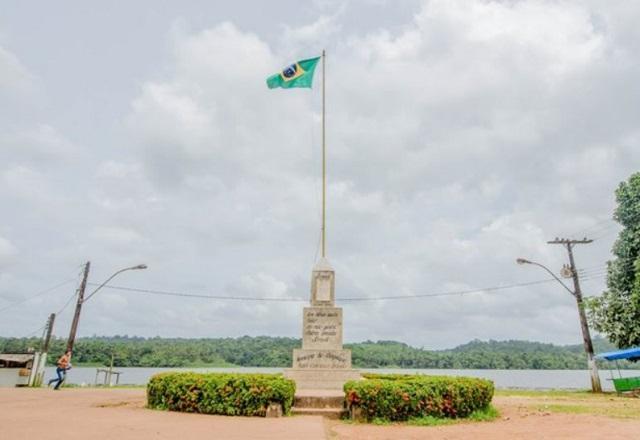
579,416
119,414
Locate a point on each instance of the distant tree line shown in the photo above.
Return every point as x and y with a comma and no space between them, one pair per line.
265,351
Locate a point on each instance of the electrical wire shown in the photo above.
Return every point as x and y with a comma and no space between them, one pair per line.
606,234
66,304
34,332
595,227
352,299
453,293
348,299
197,295
592,269
593,277
593,272
598,266
36,295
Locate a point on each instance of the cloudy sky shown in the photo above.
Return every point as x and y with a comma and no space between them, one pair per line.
460,134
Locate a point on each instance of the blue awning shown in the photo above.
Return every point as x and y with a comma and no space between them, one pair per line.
629,353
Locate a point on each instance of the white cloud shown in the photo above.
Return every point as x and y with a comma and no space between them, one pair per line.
118,170
110,235
7,251
457,141
15,79
309,37
40,144
25,183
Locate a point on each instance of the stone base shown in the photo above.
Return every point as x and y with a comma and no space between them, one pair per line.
321,359
321,378
325,403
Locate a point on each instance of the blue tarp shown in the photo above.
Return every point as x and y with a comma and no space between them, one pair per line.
629,353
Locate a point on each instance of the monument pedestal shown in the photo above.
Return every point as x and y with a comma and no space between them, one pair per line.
320,379
322,363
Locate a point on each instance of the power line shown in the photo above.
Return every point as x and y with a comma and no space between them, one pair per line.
453,293
352,299
66,304
589,229
592,272
594,268
605,234
379,298
593,277
36,295
597,266
197,295
34,332
599,230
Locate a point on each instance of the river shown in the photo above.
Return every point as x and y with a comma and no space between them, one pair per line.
528,379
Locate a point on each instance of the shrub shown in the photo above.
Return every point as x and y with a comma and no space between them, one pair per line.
220,393
392,376
398,397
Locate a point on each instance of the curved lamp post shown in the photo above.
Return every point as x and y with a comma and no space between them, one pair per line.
138,267
586,336
82,299
524,261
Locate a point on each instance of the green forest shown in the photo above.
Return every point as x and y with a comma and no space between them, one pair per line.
265,351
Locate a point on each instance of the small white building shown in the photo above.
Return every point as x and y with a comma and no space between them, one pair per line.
16,369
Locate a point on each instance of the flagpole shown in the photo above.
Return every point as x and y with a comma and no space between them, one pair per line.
324,162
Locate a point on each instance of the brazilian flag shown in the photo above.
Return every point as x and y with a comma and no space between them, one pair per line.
299,74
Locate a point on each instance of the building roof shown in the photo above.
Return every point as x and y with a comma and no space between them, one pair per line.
632,354
16,357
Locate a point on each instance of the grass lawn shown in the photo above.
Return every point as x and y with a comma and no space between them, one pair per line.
578,402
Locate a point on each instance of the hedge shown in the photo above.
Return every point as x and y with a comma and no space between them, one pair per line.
398,397
220,393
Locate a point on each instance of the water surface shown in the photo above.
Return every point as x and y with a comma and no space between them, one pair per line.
529,379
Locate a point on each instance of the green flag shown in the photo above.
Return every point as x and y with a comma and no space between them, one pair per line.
299,74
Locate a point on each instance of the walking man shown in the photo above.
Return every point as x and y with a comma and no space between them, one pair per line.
64,364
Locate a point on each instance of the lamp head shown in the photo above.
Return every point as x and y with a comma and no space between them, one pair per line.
139,266
523,261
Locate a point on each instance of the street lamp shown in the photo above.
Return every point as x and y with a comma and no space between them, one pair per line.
586,336
138,267
82,299
524,261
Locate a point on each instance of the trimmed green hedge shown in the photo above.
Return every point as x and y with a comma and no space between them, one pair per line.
220,393
398,397
393,376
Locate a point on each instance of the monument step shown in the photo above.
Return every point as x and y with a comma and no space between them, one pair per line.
319,384
319,399
329,413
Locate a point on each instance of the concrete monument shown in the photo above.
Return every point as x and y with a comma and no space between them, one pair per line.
322,363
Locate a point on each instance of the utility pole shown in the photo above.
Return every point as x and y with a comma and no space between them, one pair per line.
76,316
82,299
577,293
40,357
47,338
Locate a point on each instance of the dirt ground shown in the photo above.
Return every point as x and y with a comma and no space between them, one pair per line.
563,416
120,414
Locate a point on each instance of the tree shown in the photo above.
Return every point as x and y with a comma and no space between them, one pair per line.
617,312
